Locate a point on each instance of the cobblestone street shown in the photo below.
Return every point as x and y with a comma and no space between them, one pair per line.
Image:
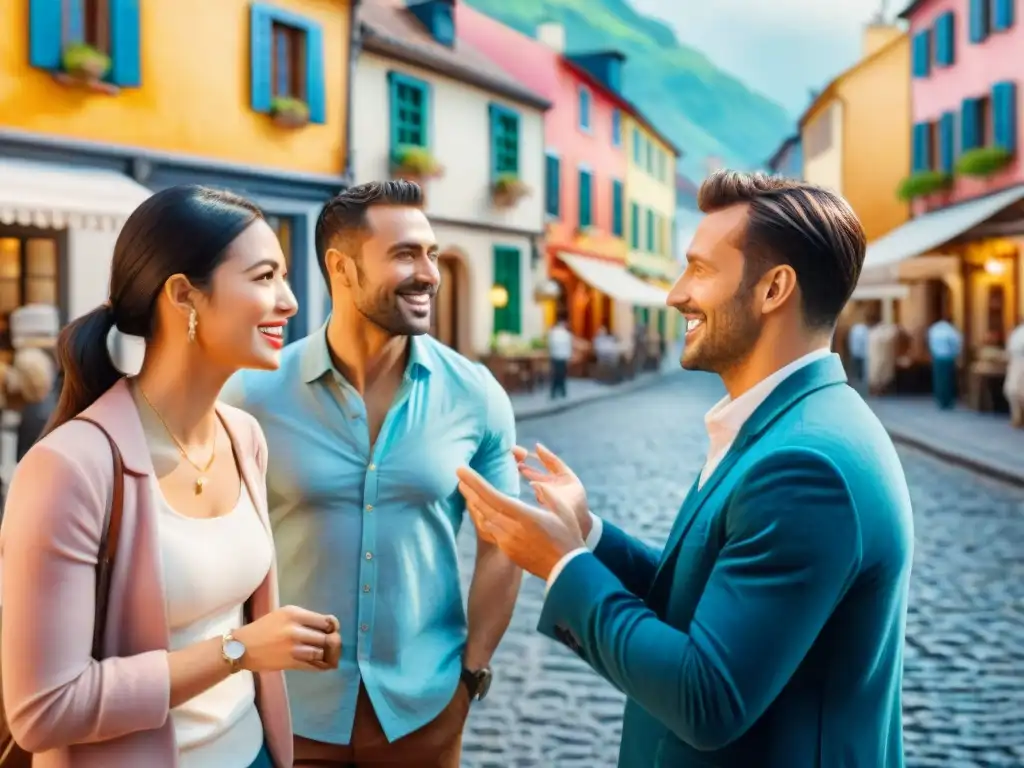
637,455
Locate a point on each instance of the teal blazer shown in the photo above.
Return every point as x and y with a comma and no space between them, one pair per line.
769,631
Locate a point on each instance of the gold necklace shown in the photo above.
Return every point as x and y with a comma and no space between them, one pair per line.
201,480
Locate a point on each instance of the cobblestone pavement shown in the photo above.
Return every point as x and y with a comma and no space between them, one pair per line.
637,455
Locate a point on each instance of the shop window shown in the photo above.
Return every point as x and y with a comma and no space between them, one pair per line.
28,275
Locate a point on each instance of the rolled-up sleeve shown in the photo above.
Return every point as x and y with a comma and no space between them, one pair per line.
494,459
55,693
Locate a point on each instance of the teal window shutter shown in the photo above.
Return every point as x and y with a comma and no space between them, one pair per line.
650,230
945,39
947,127
969,138
617,204
125,43
979,26
504,140
316,94
44,33
552,186
634,231
508,274
637,149
409,104
922,53
260,46
586,199
584,95
1003,16
1004,113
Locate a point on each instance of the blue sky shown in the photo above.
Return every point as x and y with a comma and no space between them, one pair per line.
782,48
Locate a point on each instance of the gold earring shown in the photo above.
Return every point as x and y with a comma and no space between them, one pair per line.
193,321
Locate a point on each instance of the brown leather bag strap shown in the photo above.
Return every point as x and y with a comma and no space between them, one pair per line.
108,544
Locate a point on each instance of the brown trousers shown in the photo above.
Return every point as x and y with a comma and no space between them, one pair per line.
438,744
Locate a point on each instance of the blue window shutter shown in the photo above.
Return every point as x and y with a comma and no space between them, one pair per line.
492,115
1004,111
945,39
946,128
617,208
922,150
44,32
921,54
1003,18
552,196
586,201
969,124
634,220
315,91
260,46
126,43
979,20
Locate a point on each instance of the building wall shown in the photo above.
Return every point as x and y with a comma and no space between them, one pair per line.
822,138
194,97
876,138
976,68
651,189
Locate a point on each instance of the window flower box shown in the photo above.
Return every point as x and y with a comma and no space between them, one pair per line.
981,162
508,190
923,184
289,112
415,164
85,66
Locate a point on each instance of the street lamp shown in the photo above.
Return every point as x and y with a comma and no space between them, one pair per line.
499,296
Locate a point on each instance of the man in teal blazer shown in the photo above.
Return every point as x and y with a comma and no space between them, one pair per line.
769,631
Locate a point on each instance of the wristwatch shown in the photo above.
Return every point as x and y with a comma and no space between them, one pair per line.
477,682
232,651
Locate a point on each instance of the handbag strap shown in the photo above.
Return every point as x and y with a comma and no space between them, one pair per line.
108,543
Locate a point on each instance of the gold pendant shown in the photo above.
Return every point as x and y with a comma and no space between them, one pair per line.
199,485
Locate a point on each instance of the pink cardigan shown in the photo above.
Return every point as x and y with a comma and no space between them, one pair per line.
70,710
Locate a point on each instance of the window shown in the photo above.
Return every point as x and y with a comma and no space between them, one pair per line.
504,140
617,205
110,26
650,230
553,186
634,226
922,147
649,158
975,123
637,147
1002,15
28,275
507,274
945,39
979,20
289,61
586,198
410,111
584,109
286,60
818,134
617,127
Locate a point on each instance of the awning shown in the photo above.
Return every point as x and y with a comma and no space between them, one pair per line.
53,196
614,281
931,230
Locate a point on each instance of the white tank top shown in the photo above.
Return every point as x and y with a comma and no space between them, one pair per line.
210,568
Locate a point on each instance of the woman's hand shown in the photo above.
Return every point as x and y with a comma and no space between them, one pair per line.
290,638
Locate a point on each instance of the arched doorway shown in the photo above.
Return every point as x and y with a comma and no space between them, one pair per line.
447,315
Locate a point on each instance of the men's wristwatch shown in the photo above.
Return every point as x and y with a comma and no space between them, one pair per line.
232,651
477,682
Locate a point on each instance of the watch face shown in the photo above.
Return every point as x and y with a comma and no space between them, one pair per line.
484,680
234,650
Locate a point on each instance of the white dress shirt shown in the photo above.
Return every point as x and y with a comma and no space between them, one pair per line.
723,423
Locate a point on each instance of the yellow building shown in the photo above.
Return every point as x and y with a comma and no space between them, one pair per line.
856,132
102,103
650,200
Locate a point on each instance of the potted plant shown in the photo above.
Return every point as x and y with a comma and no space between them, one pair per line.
922,184
508,190
289,112
415,164
85,63
983,161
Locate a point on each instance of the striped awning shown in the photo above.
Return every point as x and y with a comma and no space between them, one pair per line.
51,196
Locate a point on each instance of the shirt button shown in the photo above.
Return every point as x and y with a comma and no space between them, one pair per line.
369,555
369,507
366,587
364,627
372,467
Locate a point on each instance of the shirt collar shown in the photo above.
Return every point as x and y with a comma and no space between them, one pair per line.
727,417
316,357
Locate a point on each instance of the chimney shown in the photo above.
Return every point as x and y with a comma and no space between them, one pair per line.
438,16
877,35
552,34
606,66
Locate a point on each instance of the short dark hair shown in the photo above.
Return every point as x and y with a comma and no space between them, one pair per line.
809,228
345,213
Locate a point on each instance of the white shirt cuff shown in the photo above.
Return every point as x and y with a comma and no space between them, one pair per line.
596,529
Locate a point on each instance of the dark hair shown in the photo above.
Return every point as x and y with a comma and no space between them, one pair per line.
184,230
345,214
804,226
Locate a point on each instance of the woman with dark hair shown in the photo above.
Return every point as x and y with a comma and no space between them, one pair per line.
191,674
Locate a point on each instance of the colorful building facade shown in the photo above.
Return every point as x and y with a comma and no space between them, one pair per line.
585,195
466,131
961,254
103,103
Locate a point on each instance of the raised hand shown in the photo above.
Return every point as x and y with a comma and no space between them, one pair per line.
558,482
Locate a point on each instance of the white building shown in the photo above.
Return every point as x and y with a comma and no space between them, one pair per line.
420,92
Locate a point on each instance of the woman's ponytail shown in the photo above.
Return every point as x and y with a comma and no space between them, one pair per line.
83,356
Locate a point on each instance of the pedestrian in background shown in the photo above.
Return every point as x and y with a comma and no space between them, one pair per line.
944,344
857,344
1013,386
560,348
190,668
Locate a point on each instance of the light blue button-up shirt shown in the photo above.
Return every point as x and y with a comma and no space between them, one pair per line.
371,536
944,340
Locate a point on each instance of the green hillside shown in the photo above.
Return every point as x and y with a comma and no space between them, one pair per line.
701,108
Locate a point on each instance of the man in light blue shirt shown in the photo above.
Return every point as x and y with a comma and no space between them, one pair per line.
366,421
944,344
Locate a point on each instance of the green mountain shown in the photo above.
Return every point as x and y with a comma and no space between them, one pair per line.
704,110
